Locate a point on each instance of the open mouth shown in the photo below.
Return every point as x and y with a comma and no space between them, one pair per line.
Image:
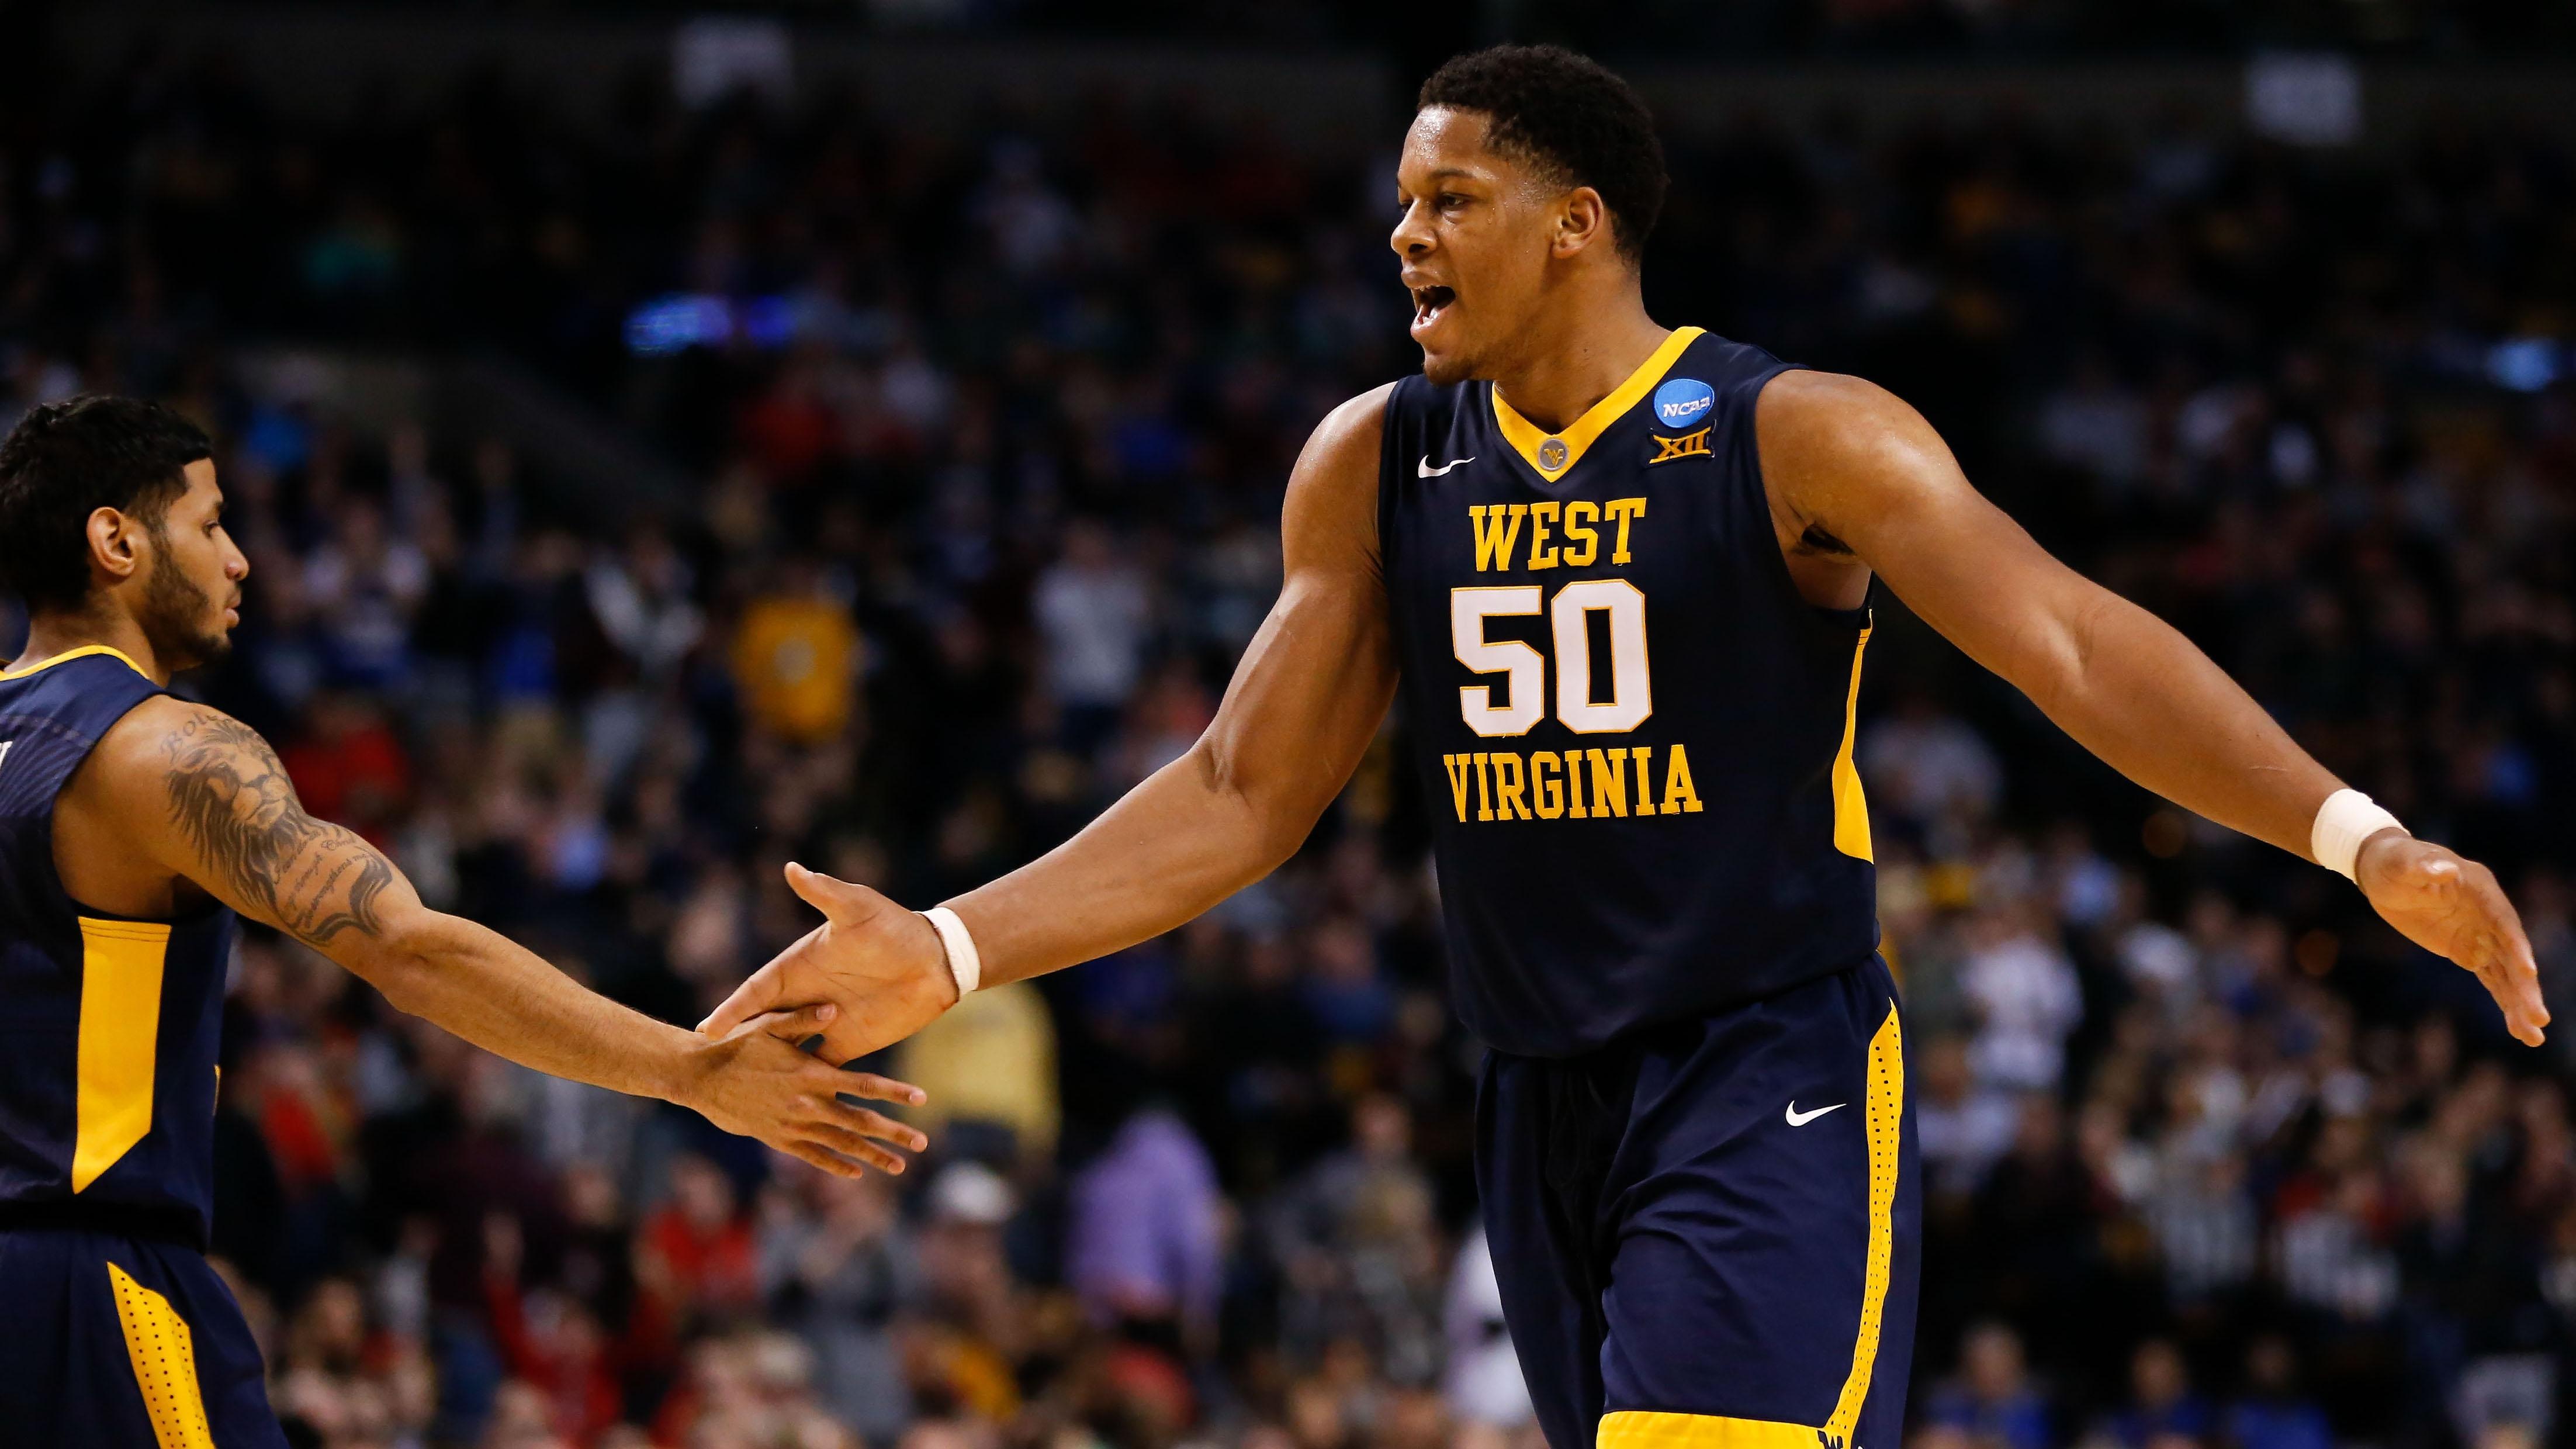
1429,303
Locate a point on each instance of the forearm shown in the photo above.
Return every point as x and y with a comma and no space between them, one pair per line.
1306,699
1175,846
2135,692
504,999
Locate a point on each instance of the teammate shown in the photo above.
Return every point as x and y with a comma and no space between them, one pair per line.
1621,575
133,825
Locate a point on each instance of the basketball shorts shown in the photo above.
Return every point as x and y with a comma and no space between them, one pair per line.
113,1342
1708,1234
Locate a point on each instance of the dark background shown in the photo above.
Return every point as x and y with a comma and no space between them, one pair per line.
880,467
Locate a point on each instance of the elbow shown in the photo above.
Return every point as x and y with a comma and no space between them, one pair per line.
2058,668
1273,823
400,962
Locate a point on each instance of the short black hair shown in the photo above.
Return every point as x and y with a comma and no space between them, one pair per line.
66,460
1569,114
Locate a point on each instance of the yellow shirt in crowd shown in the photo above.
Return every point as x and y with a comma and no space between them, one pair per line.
796,660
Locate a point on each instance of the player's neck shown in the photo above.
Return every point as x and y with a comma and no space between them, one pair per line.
1564,370
51,634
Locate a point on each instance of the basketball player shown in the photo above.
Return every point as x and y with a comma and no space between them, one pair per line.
133,825
1621,576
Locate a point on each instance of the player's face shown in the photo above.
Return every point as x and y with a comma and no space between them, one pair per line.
1474,240
192,595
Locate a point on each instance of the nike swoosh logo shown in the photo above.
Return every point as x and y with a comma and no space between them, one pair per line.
1424,468
1801,1119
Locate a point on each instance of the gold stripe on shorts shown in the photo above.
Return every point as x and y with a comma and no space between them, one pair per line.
165,1363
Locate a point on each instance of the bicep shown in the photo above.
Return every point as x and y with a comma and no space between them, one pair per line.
217,807
1853,460
1318,676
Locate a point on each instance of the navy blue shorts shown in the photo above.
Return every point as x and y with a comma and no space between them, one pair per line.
1708,1234
111,1342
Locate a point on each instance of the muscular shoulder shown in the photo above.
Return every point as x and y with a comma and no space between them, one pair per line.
165,731
1344,447
1834,446
128,822
1331,513
158,741
185,771
203,796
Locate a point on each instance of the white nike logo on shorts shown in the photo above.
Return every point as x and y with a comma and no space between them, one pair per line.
1801,1119
1424,468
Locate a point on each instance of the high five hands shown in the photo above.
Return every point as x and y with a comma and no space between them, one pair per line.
881,965
751,1079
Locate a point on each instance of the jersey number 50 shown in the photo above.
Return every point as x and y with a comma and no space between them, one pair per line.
1632,692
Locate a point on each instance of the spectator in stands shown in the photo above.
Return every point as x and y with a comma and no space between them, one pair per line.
1992,1401
2272,1413
2162,1406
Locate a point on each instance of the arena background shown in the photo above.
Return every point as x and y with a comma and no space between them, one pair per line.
673,441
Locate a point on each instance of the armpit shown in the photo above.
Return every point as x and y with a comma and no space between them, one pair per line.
1816,540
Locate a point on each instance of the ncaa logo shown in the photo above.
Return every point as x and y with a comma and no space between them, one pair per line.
1683,401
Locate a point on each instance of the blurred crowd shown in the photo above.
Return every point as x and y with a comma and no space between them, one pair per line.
1666,29
988,435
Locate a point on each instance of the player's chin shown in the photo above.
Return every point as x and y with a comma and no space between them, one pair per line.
213,646
1446,367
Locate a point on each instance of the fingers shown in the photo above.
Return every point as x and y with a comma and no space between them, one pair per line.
2454,907
822,1157
829,1086
880,1089
840,1138
757,994
795,1026
854,1132
838,900
2508,970
864,1123
2519,998
842,1142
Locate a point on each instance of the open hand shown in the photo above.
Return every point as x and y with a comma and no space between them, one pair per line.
755,1081
880,964
2454,908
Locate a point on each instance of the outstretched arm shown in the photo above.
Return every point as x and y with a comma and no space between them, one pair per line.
1305,700
1848,459
203,797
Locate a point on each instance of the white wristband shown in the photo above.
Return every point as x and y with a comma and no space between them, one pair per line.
2346,820
963,963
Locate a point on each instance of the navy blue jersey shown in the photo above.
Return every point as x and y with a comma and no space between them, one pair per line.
108,1024
1635,735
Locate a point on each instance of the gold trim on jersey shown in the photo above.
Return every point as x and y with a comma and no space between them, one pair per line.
120,1028
1654,1429
1886,1109
1533,443
164,1355
1851,807
23,670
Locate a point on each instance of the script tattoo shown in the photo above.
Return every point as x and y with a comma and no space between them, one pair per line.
310,878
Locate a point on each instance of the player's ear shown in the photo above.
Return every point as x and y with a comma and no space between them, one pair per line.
1581,221
113,547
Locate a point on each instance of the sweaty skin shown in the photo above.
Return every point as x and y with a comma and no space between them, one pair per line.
1518,278
179,803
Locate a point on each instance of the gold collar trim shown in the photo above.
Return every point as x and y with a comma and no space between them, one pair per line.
1531,442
